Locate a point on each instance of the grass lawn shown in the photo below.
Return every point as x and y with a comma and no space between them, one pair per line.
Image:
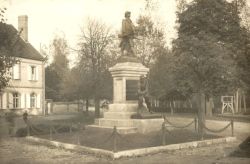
103,139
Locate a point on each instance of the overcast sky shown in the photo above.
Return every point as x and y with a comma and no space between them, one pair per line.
49,17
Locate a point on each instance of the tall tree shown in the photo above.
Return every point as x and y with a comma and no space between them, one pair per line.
161,76
150,37
8,39
243,9
181,5
94,41
208,50
57,70
77,85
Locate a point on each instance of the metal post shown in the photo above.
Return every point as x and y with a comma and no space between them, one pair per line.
115,139
163,133
232,127
50,133
202,132
70,128
195,124
78,135
83,127
28,130
79,126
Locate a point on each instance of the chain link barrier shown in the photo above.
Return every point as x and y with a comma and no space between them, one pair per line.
217,130
178,126
107,139
164,129
52,128
112,137
115,135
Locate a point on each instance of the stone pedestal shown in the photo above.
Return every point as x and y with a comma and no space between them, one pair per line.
126,77
125,80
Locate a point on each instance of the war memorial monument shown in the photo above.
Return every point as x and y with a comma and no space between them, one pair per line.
127,75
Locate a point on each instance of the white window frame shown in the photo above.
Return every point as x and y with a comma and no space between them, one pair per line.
16,100
33,73
16,71
33,100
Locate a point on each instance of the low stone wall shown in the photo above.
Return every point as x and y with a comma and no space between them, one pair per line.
65,107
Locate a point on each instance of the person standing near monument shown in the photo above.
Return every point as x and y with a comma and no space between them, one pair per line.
25,117
127,36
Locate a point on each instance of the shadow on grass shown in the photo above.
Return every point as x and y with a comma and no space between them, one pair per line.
244,149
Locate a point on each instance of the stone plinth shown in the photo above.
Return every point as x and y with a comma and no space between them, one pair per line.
126,77
124,74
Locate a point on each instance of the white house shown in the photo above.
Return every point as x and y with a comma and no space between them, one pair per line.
26,89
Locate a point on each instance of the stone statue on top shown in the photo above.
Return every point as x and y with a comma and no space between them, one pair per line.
127,35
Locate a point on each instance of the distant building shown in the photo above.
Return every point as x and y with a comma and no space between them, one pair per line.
26,89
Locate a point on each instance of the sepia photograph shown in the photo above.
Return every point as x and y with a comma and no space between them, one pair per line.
124,81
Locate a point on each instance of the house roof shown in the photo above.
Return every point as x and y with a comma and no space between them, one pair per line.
23,49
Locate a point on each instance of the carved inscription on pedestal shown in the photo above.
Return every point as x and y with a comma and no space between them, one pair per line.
131,89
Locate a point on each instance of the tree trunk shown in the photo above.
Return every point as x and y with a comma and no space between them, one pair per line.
200,105
171,107
237,102
244,102
97,107
209,106
240,98
87,106
78,104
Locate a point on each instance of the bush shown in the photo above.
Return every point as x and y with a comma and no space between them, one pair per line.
43,129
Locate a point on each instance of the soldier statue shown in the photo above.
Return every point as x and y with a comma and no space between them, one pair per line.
127,36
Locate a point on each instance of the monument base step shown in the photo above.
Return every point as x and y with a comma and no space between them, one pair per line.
120,130
114,122
118,115
123,107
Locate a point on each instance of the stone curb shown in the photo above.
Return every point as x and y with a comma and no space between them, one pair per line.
172,147
72,147
134,152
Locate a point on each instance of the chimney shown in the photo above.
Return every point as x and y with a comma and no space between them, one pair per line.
23,26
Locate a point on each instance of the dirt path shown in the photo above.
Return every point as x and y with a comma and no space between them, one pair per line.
18,151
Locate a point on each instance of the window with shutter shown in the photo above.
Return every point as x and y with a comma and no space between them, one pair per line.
38,104
32,100
9,100
33,73
28,100
16,100
37,70
29,72
22,100
16,72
